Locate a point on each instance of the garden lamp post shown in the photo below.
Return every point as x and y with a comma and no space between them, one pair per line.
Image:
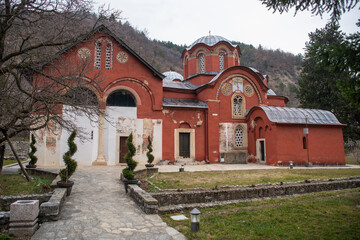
195,220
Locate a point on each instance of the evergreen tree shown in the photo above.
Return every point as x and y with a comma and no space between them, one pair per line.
149,153
70,163
128,172
33,158
319,83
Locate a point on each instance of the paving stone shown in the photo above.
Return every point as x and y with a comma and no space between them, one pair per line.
99,209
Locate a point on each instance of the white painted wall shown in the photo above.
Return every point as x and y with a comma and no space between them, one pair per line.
87,146
121,121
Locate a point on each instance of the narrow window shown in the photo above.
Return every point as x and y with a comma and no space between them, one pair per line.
201,63
221,62
98,55
237,105
239,139
108,63
304,143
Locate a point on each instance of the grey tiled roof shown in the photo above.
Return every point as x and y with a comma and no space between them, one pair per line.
187,103
179,85
299,115
210,40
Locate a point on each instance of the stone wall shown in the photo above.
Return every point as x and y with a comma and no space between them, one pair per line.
143,199
170,200
21,148
6,201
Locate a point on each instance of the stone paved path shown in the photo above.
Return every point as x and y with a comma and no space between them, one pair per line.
98,208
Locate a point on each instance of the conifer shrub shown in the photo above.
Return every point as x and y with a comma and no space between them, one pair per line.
128,172
70,164
149,155
33,158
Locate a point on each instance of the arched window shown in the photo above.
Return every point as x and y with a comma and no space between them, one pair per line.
237,101
238,106
98,55
121,98
239,138
201,63
221,61
108,60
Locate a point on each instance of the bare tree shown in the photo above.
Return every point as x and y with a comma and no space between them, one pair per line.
33,78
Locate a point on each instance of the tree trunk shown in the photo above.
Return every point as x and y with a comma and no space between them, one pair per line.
2,153
17,158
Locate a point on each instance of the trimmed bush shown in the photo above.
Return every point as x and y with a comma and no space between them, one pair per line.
128,172
149,152
70,163
33,158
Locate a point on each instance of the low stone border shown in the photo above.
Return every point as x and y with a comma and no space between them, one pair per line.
40,173
173,201
4,220
50,210
142,173
143,199
6,201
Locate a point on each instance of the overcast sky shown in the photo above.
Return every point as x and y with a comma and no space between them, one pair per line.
247,21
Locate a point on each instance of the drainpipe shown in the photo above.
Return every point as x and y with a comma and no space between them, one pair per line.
206,137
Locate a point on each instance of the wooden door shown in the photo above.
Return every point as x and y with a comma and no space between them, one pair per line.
184,145
123,149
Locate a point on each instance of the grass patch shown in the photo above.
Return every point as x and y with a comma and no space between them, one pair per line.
12,161
351,160
244,177
18,185
325,215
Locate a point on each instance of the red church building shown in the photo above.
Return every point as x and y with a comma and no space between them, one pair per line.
217,111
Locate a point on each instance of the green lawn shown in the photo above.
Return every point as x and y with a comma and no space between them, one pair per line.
12,161
244,177
326,215
17,185
351,160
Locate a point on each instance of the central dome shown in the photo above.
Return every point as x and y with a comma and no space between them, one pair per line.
210,40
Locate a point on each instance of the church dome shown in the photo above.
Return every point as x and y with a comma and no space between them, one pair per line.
210,40
170,76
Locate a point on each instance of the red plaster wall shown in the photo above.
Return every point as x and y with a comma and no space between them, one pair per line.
284,142
133,75
174,118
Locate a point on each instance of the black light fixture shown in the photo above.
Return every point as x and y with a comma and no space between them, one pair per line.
195,220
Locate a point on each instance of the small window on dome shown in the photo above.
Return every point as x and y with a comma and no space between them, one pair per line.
221,61
201,63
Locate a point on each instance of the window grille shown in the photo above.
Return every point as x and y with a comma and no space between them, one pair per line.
98,55
202,63
237,105
239,139
108,61
221,62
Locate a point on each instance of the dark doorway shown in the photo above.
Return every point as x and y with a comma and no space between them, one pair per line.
262,150
123,149
184,145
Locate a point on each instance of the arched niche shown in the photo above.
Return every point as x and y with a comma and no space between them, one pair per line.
121,98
